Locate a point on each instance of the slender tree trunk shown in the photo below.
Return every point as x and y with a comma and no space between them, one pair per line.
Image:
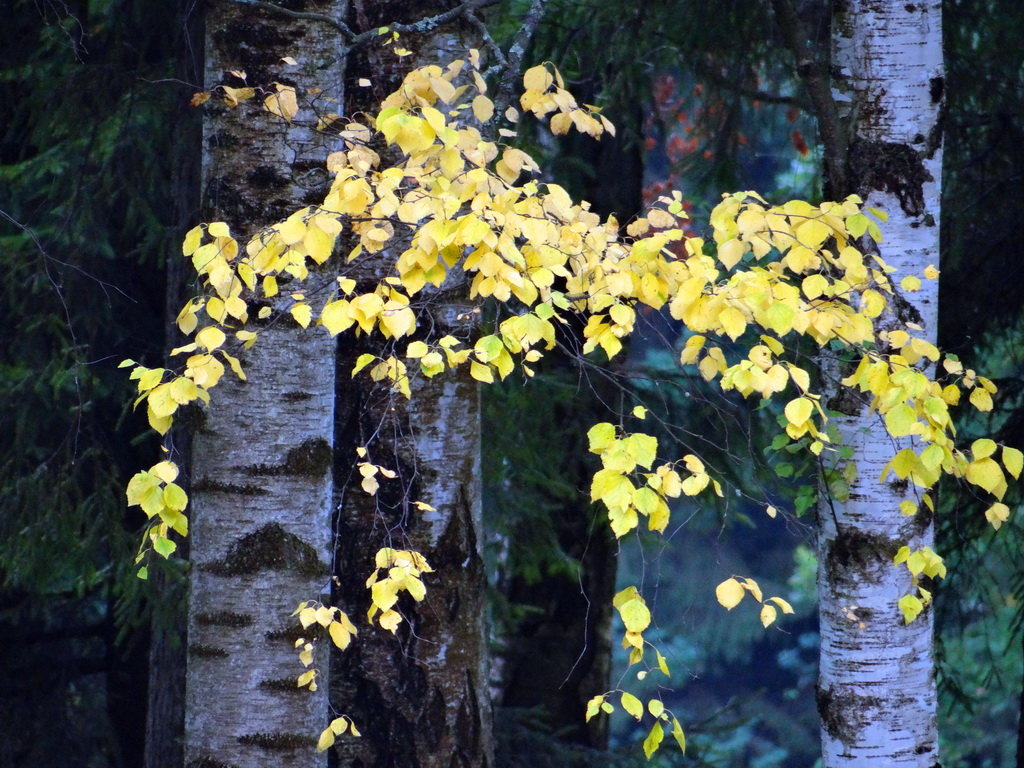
420,697
876,692
261,470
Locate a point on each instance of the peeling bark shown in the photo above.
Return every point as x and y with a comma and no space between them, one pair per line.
876,693
261,466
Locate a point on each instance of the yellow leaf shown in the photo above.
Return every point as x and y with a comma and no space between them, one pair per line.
986,474
910,606
911,283
768,614
783,604
165,470
814,285
632,705
983,448
483,108
981,399
1013,460
325,741
729,593
235,96
997,514
537,78
210,338
283,103
635,615
481,372
799,411
678,735
733,322
340,634
901,420
302,313
653,740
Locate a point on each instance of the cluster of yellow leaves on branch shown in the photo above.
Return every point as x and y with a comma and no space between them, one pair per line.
457,200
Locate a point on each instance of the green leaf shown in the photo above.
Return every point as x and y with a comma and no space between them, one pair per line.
164,546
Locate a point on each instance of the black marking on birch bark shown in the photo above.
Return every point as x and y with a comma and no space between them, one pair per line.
852,553
206,485
310,459
917,524
207,651
889,167
222,140
290,635
284,685
257,45
268,548
277,742
843,714
296,397
208,762
235,620
265,177
899,485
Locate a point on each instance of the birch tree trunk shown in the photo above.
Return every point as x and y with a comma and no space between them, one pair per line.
876,693
261,471
420,696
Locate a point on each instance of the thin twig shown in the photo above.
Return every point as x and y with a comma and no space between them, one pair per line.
516,52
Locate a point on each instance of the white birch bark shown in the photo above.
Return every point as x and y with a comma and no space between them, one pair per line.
261,470
876,691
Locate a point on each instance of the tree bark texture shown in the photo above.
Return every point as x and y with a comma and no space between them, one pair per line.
420,696
261,470
876,694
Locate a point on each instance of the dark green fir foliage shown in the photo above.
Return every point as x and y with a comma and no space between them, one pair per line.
94,129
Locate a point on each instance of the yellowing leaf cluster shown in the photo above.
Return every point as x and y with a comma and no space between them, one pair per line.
396,570
731,592
421,186
628,494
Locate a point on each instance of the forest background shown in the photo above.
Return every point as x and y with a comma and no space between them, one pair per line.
99,159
